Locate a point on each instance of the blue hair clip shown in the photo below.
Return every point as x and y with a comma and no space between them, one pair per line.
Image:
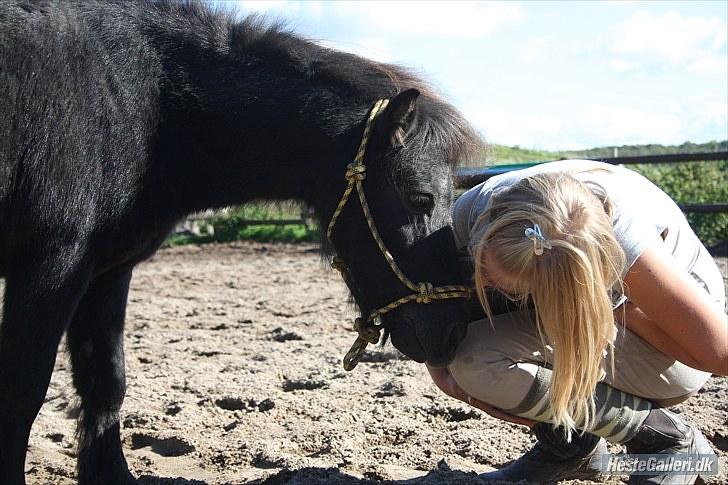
539,242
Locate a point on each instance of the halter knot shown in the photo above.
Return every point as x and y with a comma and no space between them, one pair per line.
355,171
367,330
424,294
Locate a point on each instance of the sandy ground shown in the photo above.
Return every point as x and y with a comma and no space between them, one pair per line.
234,376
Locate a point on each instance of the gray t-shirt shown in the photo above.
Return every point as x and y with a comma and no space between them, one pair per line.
643,214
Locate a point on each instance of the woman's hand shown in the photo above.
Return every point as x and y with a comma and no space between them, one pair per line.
444,380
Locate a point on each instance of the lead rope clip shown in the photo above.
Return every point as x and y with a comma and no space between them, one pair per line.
369,333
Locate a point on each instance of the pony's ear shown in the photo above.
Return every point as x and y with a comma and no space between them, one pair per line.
400,115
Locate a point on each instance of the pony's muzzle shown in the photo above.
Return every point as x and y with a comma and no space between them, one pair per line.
429,340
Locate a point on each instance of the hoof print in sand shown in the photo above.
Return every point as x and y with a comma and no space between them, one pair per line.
453,414
391,389
265,460
718,440
168,447
280,335
303,384
382,356
231,403
55,437
266,405
173,409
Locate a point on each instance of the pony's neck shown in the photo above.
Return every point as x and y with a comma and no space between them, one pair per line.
260,130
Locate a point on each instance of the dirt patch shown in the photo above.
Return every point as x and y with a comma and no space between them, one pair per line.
234,376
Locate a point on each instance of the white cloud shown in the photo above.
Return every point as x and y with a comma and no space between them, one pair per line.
278,8
706,111
449,18
672,40
614,124
508,127
600,124
706,64
557,50
537,49
621,65
376,48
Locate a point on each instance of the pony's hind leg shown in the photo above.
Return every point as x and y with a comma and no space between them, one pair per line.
95,342
40,299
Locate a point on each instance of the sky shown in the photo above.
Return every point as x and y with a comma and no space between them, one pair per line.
545,74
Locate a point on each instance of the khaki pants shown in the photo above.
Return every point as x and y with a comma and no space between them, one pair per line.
498,363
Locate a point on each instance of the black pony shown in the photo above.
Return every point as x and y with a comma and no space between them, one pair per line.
118,119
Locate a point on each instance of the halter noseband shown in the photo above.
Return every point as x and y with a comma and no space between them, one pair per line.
369,331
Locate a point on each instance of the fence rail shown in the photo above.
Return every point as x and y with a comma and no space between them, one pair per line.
468,177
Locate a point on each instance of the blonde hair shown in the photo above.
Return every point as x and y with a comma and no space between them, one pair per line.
570,284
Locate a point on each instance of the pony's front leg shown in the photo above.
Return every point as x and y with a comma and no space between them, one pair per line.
40,299
95,341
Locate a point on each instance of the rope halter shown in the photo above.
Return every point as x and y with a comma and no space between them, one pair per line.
369,329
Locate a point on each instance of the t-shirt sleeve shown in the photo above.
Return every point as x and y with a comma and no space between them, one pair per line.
465,212
635,233
461,219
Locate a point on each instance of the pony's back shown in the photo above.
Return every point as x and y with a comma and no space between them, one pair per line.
78,85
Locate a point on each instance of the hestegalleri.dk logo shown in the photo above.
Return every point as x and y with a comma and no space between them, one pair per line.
679,464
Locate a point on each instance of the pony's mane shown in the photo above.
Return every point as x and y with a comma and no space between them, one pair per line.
363,80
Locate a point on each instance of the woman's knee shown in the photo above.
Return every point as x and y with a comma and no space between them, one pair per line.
497,363
501,383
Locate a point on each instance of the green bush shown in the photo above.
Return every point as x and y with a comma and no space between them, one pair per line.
695,183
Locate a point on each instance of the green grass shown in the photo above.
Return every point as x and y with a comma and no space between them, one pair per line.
504,155
231,226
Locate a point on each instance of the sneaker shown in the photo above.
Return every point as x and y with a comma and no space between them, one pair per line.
664,432
553,459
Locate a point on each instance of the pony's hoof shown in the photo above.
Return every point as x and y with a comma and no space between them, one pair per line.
106,477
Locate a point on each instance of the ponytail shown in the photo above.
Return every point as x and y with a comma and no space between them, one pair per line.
569,281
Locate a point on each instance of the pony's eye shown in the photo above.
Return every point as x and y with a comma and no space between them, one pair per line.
421,202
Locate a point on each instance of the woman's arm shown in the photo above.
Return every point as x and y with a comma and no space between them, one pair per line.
652,333
674,314
446,382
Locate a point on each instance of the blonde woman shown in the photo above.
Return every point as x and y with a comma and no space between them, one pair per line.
616,311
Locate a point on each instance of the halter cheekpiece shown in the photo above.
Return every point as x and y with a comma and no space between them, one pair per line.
369,328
